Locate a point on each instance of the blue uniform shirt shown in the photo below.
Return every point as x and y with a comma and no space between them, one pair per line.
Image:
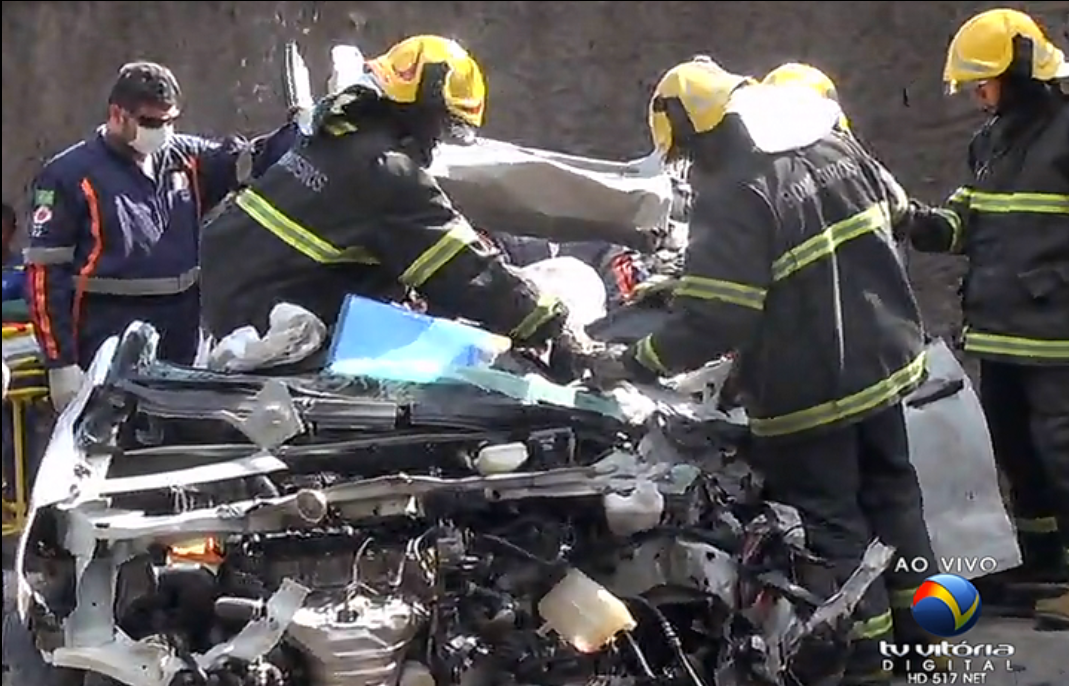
102,224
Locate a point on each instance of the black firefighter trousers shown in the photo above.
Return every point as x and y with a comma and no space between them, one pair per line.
1027,411
851,484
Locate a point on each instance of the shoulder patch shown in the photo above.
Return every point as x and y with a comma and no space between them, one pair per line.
44,198
42,215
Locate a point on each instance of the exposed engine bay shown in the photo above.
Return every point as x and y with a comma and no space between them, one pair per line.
192,528
201,529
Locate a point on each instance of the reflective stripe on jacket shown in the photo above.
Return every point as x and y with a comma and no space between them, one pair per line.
354,213
793,264
1012,222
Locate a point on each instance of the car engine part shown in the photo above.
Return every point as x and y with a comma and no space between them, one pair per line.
199,529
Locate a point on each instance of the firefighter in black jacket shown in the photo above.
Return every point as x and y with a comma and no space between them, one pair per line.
902,580
792,263
1012,222
796,74
352,209
806,76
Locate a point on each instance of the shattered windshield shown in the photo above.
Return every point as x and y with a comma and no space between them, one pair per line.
476,382
452,386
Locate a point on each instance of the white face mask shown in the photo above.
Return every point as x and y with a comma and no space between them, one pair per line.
148,141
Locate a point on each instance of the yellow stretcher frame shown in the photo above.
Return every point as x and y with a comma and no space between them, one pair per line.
29,386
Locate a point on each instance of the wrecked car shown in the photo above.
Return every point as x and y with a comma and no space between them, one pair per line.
194,528
203,528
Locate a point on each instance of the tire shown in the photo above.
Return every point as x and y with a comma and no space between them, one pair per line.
23,664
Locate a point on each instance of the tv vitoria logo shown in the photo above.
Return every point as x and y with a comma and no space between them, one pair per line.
946,605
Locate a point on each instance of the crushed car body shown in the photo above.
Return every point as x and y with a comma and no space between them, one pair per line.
191,527
205,528
523,190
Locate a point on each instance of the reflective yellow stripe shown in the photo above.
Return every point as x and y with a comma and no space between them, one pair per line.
951,217
998,203
647,356
296,236
435,257
828,241
1041,525
703,288
1045,203
547,308
873,628
1042,203
836,410
902,598
959,196
1014,346
339,128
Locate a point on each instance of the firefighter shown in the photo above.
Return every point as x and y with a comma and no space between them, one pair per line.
901,581
1012,223
114,233
352,209
806,76
797,74
791,263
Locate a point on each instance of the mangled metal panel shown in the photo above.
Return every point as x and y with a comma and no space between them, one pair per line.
521,190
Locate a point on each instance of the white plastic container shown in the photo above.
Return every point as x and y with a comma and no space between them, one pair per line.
640,510
501,459
584,613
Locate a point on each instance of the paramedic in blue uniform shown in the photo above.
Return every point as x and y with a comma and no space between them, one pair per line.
114,232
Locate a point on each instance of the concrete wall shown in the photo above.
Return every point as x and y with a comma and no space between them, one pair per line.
569,75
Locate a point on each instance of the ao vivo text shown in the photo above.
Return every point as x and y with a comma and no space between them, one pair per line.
962,566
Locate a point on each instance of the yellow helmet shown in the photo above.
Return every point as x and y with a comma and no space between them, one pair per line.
806,76
433,68
798,74
691,98
983,48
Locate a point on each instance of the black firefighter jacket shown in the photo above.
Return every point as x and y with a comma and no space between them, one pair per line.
792,262
354,213
1012,222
